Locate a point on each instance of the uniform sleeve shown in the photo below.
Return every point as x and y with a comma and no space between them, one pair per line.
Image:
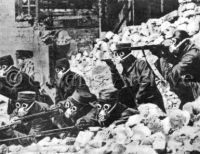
58,97
13,114
125,116
117,79
182,68
78,82
90,118
11,106
146,82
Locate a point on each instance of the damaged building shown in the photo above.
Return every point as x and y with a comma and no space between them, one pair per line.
99,76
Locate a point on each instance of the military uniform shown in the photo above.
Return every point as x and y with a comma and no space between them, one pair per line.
108,110
69,81
183,74
74,107
137,84
27,105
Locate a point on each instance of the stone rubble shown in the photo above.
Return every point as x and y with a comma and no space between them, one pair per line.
151,131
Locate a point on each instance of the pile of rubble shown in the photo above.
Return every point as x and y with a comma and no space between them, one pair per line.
150,132
153,32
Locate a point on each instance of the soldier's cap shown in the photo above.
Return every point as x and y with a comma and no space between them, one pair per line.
21,54
6,60
82,97
26,96
110,94
63,62
123,46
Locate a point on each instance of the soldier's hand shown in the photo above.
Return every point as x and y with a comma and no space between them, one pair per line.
14,122
109,62
60,109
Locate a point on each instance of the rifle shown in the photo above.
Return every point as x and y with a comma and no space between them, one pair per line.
153,48
49,113
42,133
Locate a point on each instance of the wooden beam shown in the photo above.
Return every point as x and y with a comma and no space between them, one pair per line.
36,11
162,6
100,15
29,7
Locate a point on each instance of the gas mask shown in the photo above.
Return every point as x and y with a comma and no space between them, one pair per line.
104,111
175,47
72,109
23,109
120,59
121,56
60,72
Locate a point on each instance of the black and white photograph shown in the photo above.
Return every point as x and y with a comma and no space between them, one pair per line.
99,76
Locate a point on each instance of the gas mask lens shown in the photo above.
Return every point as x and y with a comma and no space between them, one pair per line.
25,106
67,104
98,106
57,70
74,108
18,105
4,67
106,107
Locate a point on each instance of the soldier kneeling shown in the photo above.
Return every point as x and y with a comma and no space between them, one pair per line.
108,110
73,108
26,105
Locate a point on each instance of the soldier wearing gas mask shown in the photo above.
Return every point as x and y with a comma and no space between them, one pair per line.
137,81
183,71
73,108
108,110
27,105
67,81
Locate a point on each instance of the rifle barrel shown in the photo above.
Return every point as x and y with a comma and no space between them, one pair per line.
42,133
145,47
38,114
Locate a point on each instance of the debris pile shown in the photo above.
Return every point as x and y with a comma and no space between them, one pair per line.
153,32
151,131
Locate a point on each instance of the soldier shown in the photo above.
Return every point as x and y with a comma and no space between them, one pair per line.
182,71
27,105
137,81
67,81
74,107
108,110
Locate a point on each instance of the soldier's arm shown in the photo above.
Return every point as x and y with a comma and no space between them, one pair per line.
58,97
182,68
125,116
146,82
116,78
79,83
89,119
11,106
